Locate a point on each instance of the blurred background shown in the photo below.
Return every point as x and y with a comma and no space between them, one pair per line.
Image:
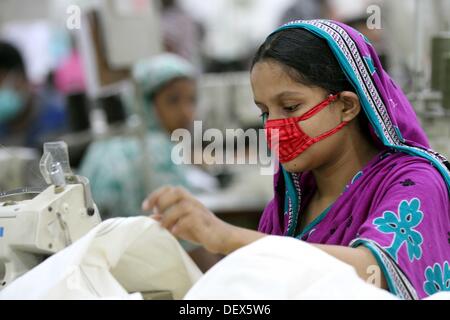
114,78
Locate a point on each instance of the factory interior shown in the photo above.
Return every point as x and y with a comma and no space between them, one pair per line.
138,157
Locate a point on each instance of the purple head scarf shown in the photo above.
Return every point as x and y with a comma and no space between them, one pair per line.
397,205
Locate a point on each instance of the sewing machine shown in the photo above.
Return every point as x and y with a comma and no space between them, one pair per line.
33,229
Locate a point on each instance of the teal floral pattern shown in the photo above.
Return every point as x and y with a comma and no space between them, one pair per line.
437,278
358,175
402,226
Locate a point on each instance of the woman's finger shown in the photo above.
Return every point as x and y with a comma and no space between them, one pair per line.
183,229
170,198
156,216
151,200
175,213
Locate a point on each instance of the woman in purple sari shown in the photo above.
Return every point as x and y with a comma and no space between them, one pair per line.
357,177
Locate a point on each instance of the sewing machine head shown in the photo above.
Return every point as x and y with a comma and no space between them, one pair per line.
31,230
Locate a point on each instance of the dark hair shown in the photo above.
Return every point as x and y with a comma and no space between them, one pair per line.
10,58
307,58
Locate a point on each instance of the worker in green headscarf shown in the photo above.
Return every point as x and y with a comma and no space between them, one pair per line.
167,89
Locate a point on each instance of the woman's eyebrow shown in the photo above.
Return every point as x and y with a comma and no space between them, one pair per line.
283,95
288,94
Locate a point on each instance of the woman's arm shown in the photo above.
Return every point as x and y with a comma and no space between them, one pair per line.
185,217
360,258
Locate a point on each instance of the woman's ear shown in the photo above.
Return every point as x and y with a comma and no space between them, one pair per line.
350,106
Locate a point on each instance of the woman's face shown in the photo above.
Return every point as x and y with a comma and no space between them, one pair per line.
175,104
280,96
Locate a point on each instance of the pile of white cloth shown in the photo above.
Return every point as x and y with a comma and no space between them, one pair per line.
118,259
124,257
277,267
284,268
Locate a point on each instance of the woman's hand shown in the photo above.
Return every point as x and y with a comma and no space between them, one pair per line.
185,217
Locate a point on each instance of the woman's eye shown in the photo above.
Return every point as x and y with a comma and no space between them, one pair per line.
291,108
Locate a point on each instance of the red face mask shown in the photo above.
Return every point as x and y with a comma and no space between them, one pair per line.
292,141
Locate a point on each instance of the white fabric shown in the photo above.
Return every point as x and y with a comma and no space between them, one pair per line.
118,257
283,268
127,255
